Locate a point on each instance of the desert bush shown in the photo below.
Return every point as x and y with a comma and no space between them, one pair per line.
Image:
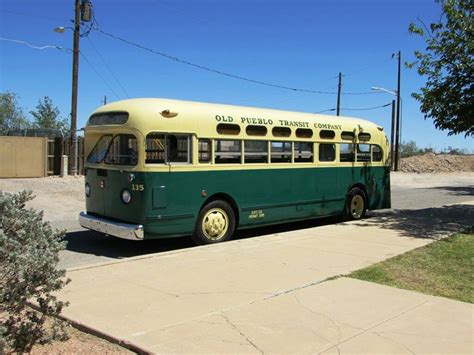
29,254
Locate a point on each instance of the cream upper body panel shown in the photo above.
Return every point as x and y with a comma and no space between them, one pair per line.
150,115
202,119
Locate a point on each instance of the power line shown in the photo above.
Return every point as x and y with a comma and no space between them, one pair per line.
365,109
327,110
99,75
36,16
219,72
108,67
31,45
355,109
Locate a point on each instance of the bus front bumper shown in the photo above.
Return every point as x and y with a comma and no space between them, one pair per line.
120,230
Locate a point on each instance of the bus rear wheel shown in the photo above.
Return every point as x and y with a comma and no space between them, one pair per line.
356,204
215,223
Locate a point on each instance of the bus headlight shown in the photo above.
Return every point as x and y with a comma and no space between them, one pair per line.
126,196
88,189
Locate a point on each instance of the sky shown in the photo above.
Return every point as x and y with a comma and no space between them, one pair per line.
294,43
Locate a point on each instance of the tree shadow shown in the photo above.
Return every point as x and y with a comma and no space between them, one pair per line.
457,190
431,223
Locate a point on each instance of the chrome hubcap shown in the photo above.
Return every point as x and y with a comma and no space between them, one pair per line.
215,224
357,206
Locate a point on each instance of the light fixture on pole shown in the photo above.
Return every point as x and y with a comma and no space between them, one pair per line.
396,128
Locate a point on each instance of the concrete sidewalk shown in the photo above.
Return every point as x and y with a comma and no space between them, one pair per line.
267,294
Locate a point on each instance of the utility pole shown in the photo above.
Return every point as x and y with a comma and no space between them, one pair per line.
397,129
105,100
392,134
75,71
339,87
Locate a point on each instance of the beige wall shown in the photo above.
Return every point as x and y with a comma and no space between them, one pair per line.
23,156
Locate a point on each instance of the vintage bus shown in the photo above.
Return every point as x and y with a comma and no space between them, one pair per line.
159,168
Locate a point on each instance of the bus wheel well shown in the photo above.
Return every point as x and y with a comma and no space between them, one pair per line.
362,187
224,197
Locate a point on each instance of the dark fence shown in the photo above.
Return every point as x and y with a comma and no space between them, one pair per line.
57,147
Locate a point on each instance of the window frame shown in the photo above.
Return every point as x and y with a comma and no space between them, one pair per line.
189,159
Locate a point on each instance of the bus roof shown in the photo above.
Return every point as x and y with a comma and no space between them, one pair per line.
149,114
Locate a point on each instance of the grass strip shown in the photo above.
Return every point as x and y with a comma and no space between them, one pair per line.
443,268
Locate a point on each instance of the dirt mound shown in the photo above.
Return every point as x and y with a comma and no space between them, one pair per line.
437,163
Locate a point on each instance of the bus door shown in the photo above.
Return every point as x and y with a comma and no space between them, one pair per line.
327,175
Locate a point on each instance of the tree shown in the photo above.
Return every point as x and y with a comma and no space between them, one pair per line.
11,114
47,115
28,272
448,65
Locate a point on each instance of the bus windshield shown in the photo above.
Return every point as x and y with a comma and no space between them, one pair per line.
121,150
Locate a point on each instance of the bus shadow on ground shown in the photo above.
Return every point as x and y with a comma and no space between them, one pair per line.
432,223
93,243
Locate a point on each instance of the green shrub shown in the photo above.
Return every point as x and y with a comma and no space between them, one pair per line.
29,254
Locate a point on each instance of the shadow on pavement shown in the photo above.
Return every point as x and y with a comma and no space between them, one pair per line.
93,243
457,190
432,223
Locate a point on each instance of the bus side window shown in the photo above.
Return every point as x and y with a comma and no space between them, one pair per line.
346,153
227,151
327,152
303,152
280,152
255,151
363,152
204,150
155,148
376,153
178,148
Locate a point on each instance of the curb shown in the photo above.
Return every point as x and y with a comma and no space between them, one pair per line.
99,333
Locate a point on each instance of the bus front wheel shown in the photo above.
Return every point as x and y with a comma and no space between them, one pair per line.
356,204
215,223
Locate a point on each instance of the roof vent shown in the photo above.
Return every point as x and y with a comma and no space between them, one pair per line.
168,114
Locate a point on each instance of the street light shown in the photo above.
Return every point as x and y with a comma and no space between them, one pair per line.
376,88
399,114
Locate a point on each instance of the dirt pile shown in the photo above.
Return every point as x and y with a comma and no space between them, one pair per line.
437,163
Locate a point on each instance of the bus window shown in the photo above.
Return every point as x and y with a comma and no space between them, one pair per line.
204,149
346,153
326,134
363,152
255,151
281,131
327,152
364,136
281,152
303,152
178,148
256,130
100,149
228,128
347,135
155,148
304,133
227,151
123,150
376,153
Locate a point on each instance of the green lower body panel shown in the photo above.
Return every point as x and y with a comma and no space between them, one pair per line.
167,203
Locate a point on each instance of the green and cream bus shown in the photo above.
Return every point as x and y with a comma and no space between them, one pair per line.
159,168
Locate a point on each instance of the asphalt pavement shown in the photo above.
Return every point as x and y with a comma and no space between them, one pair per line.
409,192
